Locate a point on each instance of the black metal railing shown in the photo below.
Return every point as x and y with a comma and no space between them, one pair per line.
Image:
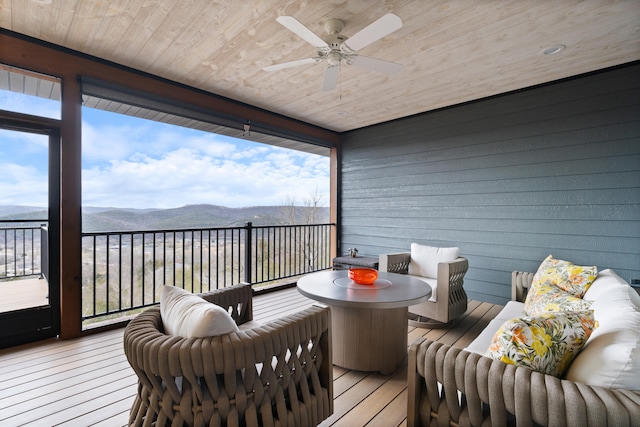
125,271
21,248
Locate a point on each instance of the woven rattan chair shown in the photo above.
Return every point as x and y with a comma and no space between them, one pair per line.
451,300
279,373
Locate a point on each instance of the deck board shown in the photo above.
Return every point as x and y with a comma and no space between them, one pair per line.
88,381
23,293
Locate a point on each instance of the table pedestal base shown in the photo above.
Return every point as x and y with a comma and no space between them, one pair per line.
369,339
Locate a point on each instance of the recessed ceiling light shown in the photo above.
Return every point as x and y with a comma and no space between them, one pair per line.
342,113
552,50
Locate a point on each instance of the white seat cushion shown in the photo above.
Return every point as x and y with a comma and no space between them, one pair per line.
433,284
187,315
512,310
483,341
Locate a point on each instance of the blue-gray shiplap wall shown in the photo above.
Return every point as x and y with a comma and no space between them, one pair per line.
511,179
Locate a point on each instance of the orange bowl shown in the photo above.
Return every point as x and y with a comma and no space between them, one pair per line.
363,276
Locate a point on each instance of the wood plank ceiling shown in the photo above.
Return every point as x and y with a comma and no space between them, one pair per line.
451,51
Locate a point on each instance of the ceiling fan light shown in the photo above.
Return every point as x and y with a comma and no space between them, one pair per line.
334,58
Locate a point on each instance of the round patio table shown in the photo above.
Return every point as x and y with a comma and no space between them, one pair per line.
368,322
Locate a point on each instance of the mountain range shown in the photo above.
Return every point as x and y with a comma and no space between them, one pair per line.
101,219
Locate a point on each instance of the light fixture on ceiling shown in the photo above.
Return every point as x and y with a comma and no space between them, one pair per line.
552,50
342,113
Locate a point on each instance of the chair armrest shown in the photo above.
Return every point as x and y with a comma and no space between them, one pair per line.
450,386
520,284
451,280
237,300
394,263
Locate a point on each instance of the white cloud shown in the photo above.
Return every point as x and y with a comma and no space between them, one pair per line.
142,164
16,181
23,168
198,169
27,104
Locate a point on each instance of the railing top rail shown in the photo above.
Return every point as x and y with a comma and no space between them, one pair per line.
179,230
292,225
22,220
169,230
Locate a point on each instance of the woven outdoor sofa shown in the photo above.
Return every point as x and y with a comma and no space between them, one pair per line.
450,386
277,373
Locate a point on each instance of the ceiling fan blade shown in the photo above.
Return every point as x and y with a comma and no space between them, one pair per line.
290,64
373,64
330,78
293,25
374,31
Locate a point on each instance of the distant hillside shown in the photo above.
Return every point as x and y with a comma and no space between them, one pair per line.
191,216
11,212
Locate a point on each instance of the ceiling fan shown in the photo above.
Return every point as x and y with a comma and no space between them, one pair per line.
338,49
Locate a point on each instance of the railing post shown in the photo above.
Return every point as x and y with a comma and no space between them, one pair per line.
247,251
44,251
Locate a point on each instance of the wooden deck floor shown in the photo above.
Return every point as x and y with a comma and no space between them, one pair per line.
88,381
23,293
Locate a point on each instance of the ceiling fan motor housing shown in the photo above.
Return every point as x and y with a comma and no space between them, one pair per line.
334,55
334,26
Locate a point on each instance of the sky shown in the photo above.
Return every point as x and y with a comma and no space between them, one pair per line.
136,163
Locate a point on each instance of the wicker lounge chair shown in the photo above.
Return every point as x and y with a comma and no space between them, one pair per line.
279,373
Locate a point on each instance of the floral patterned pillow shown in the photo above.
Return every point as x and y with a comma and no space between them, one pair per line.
574,279
546,343
545,298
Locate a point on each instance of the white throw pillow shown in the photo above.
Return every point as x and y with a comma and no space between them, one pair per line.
187,315
425,259
611,356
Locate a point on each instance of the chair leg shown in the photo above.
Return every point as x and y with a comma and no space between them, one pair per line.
419,321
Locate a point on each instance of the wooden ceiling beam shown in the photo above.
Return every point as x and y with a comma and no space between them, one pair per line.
41,57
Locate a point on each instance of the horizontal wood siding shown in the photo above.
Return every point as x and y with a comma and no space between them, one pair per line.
550,170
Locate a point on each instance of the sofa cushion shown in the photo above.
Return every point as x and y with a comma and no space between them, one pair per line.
510,310
481,343
425,259
547,298
187,315
605,280
546,343
611,357
571,278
